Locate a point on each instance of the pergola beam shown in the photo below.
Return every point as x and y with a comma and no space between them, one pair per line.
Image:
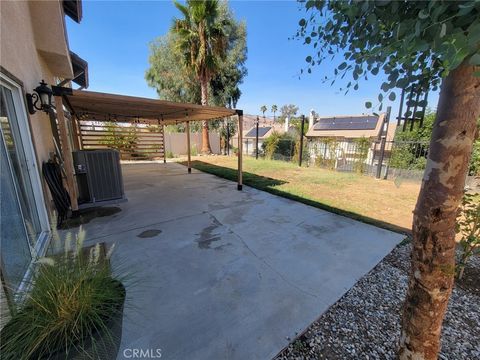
164,145
120,108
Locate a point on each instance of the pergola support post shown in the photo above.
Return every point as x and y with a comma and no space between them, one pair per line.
164,145
256,138
300,151
66,153
240,149
188,148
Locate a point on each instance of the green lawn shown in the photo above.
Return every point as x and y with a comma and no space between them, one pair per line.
379,202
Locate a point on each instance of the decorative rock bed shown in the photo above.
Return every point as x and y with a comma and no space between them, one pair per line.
365,322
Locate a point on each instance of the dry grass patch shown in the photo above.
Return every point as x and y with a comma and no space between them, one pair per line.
381,202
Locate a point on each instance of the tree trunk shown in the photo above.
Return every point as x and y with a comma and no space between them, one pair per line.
206,148
433,249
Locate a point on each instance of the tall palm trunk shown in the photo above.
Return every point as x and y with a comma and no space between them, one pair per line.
433,253
206,148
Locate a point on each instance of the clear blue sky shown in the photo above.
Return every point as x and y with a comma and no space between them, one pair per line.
114,36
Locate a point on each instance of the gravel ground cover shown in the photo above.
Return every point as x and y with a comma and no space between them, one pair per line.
364,323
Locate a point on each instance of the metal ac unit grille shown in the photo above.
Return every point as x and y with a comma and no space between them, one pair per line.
103,175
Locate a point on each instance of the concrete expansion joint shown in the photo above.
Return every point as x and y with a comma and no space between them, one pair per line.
266,263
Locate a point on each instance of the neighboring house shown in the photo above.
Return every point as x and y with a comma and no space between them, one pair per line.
266,127
34,47
249,140
338,137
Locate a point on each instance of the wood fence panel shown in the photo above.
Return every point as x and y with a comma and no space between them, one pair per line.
133,141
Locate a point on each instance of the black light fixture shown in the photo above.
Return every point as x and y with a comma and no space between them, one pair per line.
43,94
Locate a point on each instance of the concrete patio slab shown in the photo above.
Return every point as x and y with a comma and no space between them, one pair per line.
224,274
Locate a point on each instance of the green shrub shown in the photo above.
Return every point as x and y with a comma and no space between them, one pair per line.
305,153
327,157
279,145
169,154
474,169
193,150
362,145
270,144
123,139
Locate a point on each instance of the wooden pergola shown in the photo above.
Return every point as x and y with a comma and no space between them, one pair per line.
111,107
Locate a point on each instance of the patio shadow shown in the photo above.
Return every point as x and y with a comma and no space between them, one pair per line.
271,186
249,179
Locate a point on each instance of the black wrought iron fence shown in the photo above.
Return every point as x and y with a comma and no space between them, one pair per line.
407,159
279,149
380,158
343,155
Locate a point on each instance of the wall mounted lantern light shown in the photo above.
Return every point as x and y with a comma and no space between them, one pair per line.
43,94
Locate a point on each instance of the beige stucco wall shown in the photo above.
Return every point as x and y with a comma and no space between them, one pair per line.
34,47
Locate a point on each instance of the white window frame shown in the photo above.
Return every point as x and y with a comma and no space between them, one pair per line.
41,242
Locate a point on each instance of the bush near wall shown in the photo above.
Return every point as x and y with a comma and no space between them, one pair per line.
279,144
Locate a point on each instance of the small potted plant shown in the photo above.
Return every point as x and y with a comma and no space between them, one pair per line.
73,309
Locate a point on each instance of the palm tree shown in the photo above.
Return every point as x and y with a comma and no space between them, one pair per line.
274,110
202,42
263,109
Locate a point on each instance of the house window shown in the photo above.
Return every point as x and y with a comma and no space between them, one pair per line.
23,219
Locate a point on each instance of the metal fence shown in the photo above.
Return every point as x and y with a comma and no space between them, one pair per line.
380,158
407,159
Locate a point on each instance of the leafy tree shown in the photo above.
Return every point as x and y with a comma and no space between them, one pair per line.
225,84
421,44
274,110
167,73
202,43
230,126
169,76
418,134
410,148
287,110
263,108
121,138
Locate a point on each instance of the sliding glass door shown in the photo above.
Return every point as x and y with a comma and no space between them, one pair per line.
15,248
23,223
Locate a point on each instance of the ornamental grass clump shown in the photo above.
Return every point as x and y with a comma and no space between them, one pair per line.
73,297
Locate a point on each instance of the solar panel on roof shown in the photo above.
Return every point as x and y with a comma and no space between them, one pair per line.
347,123
262,131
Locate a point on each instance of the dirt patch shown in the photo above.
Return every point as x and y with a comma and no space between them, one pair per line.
87,215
